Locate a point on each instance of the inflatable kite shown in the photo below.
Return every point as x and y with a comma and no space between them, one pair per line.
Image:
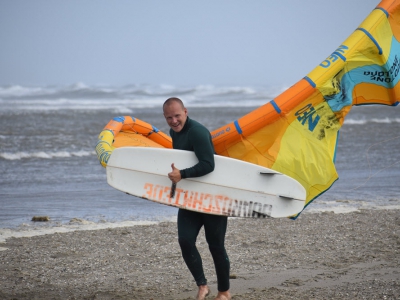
296,133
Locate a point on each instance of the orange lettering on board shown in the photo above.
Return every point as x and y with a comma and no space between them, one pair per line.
197,200
178,195
217,198
227,201
149,191
219,204
167,192
208,197
160,193
156,191
187,200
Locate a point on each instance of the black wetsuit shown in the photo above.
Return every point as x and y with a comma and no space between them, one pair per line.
195,137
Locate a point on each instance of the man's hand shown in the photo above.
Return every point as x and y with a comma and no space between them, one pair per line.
175,175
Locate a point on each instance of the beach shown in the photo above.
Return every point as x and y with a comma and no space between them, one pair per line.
322,255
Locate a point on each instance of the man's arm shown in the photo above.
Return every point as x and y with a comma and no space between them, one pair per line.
200,138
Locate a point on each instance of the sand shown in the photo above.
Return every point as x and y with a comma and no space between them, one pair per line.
318,256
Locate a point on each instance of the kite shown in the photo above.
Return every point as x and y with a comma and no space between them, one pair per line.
297,132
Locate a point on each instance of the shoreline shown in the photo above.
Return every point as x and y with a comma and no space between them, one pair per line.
78,224
324,255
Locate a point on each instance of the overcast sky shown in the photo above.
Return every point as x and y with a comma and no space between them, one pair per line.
185,42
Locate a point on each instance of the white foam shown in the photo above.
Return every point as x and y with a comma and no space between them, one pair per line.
374,120
123,110
354,122
382,121
342,209
45,155
74,225
17,90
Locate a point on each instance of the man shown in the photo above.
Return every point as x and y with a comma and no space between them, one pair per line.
190,135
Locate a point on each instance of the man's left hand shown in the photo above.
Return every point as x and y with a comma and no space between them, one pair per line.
175,175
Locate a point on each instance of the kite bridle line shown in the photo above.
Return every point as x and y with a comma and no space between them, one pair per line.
369,164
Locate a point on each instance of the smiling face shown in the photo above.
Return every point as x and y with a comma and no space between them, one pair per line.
175,114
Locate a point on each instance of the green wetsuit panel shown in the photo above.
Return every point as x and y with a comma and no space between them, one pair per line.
195,137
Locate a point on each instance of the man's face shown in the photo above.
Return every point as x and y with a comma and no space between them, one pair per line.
175,115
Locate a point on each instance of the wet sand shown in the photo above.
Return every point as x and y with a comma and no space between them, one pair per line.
318,256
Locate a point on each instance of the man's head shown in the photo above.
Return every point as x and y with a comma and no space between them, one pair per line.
175,113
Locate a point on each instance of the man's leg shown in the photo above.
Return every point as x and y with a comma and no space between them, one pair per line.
215,229
189,225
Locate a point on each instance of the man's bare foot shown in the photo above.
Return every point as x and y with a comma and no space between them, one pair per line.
223,296
203,292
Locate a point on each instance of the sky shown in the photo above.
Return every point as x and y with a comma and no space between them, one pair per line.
176,42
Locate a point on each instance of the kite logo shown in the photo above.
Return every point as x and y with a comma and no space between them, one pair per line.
306,114
339,53
221,132
388,76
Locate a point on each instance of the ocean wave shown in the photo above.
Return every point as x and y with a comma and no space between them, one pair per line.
374,120
45,155
386,120
82,90
80,96
21,91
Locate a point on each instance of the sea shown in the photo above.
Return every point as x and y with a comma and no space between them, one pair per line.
49,167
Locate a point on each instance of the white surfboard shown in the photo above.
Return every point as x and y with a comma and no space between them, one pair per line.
235,188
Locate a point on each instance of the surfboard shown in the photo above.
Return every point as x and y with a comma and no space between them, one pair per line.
235,188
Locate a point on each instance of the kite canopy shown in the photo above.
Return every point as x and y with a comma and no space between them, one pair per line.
297,132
